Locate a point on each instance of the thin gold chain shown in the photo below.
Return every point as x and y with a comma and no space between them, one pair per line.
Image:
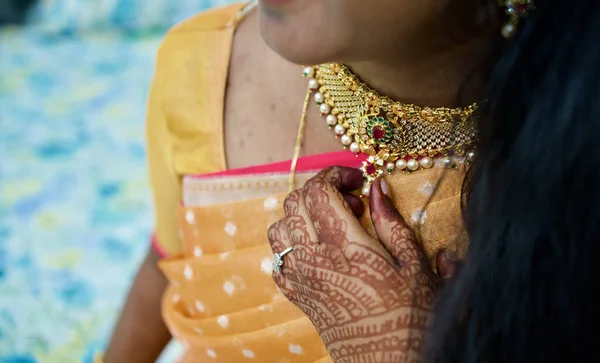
299,140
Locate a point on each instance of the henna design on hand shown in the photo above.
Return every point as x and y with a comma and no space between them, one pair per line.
370,301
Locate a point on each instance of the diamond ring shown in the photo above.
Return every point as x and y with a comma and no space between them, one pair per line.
278,259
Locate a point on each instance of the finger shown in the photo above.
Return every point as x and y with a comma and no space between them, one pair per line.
280,242
300,228
328,210
355,204
391,229
278,236
342,178
447,264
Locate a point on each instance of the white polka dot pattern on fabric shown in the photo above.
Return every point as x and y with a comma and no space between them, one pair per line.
266,308
223,321
188,272
418,216
278,296
228,287
211,353
248,353
224,256
191,310
190,217
279,331
238,282
427,189
197,251
199,306
266,265
296,349
198,330
270,203
230,229
176,298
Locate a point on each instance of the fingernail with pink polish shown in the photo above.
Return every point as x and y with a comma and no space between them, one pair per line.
385,188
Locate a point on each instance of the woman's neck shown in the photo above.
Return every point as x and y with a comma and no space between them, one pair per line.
450,77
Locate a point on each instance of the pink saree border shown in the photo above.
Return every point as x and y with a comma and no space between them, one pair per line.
312,163
305,164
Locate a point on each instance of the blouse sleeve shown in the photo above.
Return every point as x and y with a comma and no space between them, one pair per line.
165,183
184,128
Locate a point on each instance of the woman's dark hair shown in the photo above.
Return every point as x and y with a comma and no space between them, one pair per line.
527,290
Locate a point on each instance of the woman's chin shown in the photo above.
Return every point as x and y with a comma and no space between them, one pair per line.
298,50
298,55
297,35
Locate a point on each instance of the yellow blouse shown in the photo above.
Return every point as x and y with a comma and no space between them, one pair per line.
185,112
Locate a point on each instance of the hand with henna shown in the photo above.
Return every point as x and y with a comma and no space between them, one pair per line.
370,300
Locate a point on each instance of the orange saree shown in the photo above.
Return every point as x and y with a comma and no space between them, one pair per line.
211,223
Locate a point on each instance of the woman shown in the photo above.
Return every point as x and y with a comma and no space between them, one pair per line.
226,115
524,293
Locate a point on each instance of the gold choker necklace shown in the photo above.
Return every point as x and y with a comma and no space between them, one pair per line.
393,134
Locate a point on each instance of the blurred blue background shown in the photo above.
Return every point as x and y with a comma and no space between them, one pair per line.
75,208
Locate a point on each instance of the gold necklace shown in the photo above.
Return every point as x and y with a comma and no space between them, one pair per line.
299,139
394,135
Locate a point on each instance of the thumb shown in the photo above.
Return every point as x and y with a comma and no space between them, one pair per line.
387,220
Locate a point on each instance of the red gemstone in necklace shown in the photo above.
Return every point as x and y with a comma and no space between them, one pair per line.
370,169
378,133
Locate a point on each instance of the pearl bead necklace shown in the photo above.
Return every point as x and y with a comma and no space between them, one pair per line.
383,138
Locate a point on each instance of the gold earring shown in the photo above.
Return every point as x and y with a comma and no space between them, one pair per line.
516,10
